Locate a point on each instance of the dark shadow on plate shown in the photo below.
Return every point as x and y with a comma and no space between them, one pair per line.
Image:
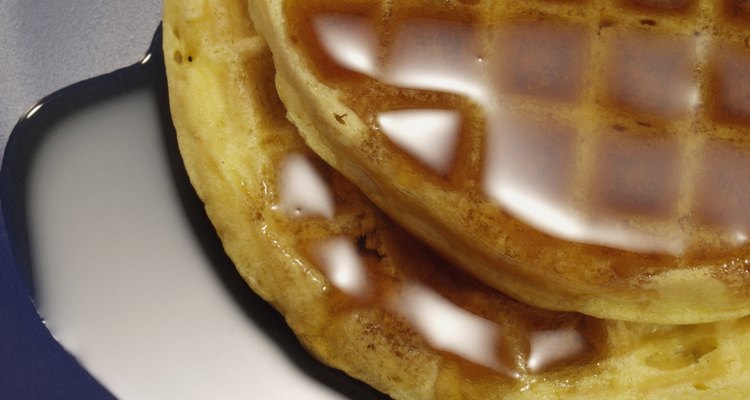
31,131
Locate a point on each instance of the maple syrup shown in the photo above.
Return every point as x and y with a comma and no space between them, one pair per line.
590,133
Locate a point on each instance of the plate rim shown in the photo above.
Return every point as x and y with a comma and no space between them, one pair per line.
33,364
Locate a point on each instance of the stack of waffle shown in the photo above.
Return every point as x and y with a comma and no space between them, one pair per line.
582,164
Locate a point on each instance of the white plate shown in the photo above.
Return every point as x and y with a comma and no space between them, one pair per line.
127,271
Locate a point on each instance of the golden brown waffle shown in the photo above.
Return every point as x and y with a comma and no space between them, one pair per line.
591,156
366,297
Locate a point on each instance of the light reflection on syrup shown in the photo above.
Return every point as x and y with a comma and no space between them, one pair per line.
303,191
350,40
428,135
527,165
435,55
554,346
512,68
343,267
450,328
416,62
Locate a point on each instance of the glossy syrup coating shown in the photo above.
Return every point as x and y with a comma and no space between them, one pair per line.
569,153
363,295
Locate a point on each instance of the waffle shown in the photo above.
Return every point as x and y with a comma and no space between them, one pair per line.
589,156
366,297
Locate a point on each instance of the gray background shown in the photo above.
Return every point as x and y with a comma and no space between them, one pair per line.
48,44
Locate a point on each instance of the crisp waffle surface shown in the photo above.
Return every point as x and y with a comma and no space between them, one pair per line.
364,296
590,156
